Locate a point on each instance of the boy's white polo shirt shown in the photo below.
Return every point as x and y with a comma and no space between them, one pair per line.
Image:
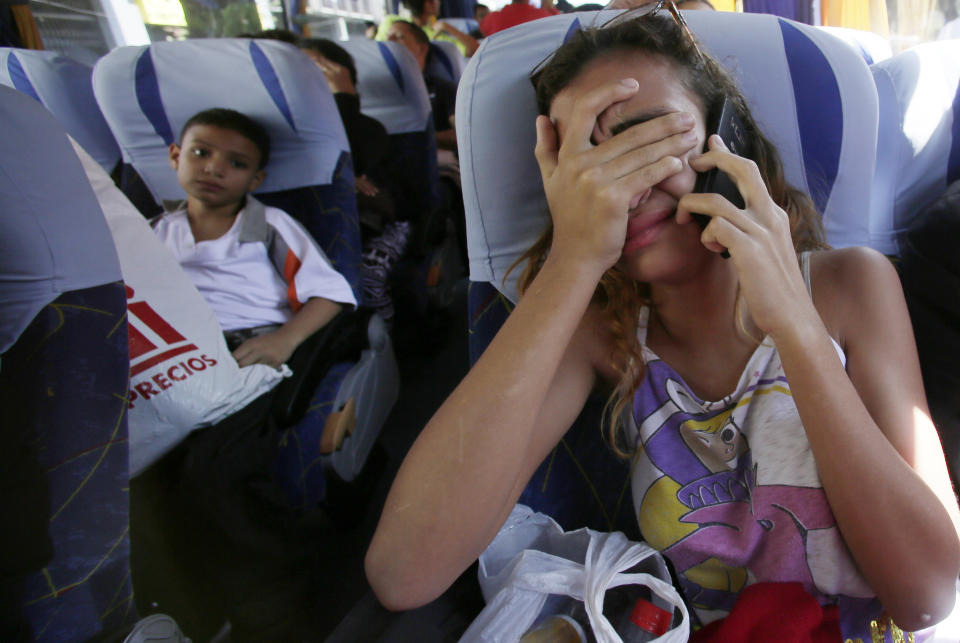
258,273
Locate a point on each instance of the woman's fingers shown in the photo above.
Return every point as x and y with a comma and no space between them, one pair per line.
760,220
546,149
713,205
630,156
645,177
587,108
743,171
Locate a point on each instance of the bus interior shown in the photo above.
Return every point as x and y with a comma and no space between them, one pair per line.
134,497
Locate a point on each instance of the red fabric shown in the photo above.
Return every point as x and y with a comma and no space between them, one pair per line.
782,612
512,15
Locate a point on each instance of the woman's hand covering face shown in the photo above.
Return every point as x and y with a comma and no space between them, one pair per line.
594,174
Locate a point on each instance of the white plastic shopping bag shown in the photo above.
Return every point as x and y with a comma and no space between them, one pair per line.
182,375
532,559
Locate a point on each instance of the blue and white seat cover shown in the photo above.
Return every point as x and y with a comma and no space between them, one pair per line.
392,90
62,85
446,61
918,153
65,372
390,85
873,47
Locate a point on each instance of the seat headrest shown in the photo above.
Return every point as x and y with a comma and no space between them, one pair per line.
62,85
811,94
54,237
445,61
147,93
871,46
390,85
919,145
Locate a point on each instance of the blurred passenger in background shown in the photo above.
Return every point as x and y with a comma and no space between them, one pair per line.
480,11
367,136
443,93
515,13
424,15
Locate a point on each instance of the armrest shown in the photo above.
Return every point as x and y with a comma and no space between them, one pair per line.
341,339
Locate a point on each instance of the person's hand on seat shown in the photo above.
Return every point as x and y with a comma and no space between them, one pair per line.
273,348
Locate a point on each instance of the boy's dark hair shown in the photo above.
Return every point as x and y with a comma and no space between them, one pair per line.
332,52
418,33
236,122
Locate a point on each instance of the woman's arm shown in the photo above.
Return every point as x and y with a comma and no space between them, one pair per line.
469,465
876,450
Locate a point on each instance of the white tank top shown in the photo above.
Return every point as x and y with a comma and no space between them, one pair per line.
729,491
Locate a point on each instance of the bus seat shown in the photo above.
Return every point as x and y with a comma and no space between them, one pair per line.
918,154
392,90
63,383
446,61
62,85
811,94
814,99
146,98
873,47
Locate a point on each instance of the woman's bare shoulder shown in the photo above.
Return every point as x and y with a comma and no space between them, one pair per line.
853,286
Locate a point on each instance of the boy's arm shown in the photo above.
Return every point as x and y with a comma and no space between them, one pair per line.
276,347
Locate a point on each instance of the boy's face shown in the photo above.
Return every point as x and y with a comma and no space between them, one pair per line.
216,166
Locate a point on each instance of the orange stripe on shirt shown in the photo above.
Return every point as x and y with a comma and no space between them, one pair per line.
290,267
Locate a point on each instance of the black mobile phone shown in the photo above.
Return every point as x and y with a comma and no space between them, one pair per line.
729,127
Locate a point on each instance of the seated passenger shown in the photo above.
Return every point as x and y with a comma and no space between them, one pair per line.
385,239
443,98
443,93
269,284
779,428
424,15
480,11
367,136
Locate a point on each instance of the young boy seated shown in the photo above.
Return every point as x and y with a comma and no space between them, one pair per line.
269,284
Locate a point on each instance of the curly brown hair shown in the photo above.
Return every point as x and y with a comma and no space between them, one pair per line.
618,297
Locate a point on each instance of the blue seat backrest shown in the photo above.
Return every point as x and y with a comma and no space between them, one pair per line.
392,90
871,46
390,85
62,85
64,387
445,61
147,93
919,146
811,94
